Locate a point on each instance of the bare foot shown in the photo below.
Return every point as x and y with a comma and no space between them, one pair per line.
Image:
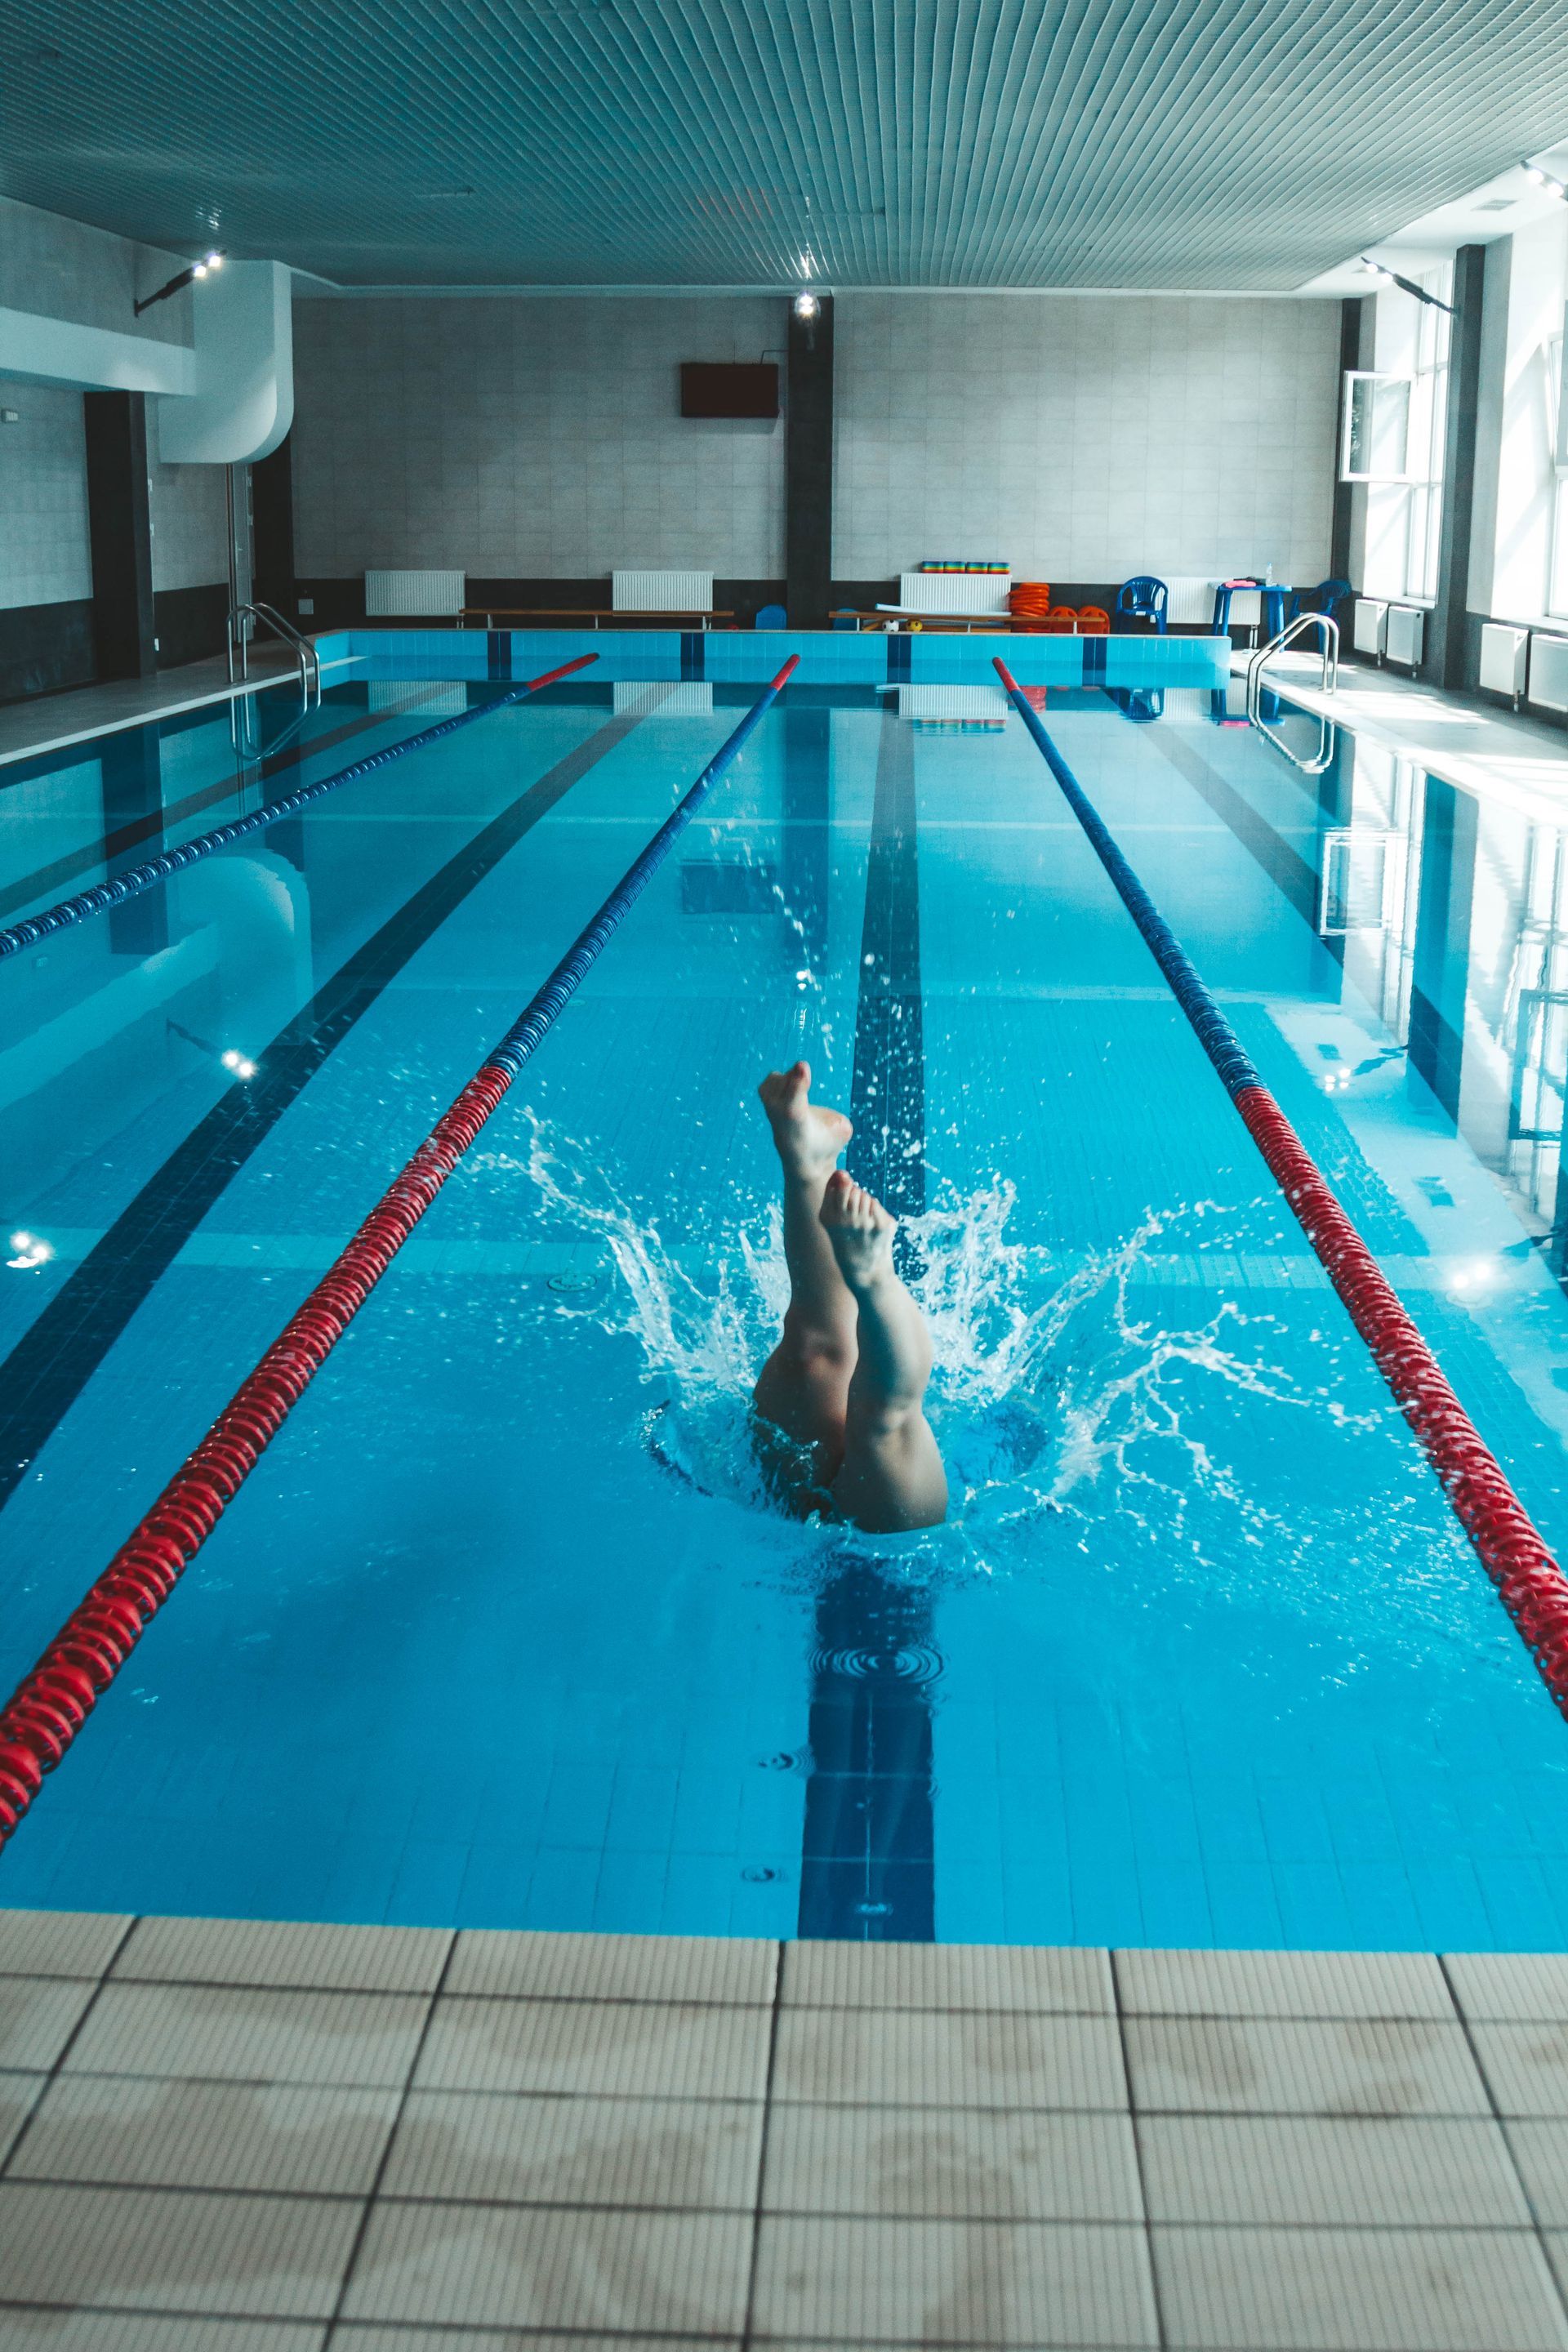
861,1232
808,1139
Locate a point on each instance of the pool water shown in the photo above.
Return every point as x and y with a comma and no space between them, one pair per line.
502,1630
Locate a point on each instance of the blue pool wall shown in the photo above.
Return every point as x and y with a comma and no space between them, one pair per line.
827,658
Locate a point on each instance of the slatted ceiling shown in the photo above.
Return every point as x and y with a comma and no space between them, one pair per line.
1240,144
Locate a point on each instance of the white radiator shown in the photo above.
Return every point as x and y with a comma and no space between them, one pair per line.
661,592
1190,601
415,594
1505,653
954,592
1369,623
1402,635
1549,673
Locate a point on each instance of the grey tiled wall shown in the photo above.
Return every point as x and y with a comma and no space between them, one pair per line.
190,519
1078,437
509,436
63,269
1084,437
44,554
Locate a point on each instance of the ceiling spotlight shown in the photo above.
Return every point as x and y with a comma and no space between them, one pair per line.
1539,179
181,280
807,305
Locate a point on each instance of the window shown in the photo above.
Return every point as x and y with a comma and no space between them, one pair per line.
1405,401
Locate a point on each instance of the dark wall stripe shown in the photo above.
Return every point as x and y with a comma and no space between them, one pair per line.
808,468
52,1364
120,528
867,1860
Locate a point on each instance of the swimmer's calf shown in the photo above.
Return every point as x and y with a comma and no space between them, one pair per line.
891,1478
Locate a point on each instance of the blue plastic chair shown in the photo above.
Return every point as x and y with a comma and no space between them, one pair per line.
1326,597
1143,598
771,616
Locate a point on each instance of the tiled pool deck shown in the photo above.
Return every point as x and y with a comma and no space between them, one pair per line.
270,2138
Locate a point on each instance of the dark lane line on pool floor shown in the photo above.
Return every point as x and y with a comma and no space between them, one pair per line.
867,1860
52,1364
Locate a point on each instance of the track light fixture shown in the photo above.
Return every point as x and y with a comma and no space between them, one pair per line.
1539,179
1407,286
807,305
176,283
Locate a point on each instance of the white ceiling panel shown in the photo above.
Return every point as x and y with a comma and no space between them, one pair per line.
1246,145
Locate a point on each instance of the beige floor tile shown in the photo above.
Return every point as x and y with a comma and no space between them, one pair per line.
996,2165
614,1968
59,1942
485,2265
1358,2291
38,2016
1541,2152
619,2048
1332,2067
1527,1988
269,2257
126,2331
285,1952
1283,1984
1022,2283
1426,2171
245,2034
141,2131
18,2096
509,2149
1527,2067
947,1977
915,2058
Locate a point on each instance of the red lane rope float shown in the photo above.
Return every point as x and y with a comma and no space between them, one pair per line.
50,1704
1529,1583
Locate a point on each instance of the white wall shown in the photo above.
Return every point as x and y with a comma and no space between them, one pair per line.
1085,437
535,438
44,551
1526,476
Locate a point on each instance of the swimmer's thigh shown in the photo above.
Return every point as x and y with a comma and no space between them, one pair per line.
892,1479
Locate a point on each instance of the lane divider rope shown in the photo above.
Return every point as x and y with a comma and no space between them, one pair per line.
137,879
50,1704
1529,1583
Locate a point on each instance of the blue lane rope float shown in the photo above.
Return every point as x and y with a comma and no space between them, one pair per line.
1530,1585
137,879
52,1703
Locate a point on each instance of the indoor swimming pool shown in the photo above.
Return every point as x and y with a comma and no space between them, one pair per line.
501,1631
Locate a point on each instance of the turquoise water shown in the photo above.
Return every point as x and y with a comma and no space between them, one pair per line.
501,1631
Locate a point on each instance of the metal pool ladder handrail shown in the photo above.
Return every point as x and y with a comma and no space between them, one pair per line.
305,654
1327,646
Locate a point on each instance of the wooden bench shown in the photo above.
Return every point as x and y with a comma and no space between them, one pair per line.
491,614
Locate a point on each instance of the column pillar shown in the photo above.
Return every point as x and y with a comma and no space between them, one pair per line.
1445,661
808,469
1440,959
120,530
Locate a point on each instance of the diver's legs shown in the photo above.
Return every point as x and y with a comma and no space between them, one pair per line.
804,1386
891,1477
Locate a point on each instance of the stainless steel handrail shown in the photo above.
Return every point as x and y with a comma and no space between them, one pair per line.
305,654
1329,646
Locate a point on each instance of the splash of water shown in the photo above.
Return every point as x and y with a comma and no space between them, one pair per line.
1055,1394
